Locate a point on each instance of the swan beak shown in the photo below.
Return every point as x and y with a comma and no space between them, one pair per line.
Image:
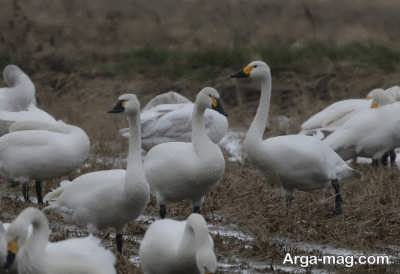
217,106
243,73
375,104
118,108
11,254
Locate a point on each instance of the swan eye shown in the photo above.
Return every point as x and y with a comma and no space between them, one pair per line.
255,66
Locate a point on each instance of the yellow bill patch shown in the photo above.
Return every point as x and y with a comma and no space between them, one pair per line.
214,102
247,70
13,247
375,104
124,103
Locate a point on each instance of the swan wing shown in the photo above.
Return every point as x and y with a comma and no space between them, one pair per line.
334,112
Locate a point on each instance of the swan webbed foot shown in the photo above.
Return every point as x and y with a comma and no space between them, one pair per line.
39,192
196,209
119,239
338,198
163,211
25,191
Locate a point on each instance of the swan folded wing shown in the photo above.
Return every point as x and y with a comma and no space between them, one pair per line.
73,194
334,112
82,254
58,127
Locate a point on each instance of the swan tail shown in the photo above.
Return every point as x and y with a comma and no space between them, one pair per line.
53,195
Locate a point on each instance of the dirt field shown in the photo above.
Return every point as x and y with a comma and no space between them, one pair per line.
83,54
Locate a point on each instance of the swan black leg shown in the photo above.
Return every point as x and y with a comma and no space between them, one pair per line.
338,198
196,209
384,159
119,239
375,163
25,191
163,211
39,194
392,155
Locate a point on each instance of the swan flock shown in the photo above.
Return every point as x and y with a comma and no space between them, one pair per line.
183,161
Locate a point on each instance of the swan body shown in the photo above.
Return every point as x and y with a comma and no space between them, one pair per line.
178,247
126,192
178,170
34,254
301,162
40,151
370,133
168,118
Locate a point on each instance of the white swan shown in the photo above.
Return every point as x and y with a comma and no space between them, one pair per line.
371,133
336,114
177,170
109,198
178,247
168,118
40,151
301,162
34,254
18,101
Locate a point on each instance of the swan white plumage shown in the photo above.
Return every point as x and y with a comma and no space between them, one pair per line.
301,162
40,151
168,118
20,91
109,198
371,133
178,170
336,114
34,254
178,247
18,100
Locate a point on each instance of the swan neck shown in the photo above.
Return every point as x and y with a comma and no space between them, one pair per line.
200,138
37,242
194,238
135,143
259,124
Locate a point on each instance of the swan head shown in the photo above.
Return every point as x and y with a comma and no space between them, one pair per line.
380,97
11,74
127,103
206,260
16,236
209,97
19,231
255,70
